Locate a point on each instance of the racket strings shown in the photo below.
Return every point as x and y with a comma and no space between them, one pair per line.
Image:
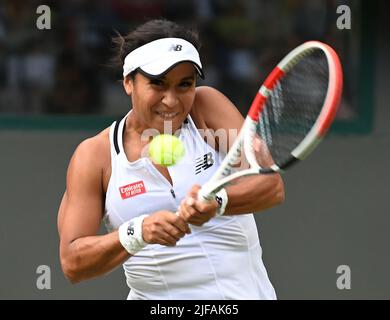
293,106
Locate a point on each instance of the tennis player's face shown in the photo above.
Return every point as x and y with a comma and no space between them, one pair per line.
166,100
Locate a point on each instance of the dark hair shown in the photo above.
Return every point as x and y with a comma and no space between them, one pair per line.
148,32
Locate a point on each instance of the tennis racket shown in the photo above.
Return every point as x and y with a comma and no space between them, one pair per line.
288,118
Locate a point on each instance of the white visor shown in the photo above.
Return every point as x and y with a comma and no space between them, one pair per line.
157,57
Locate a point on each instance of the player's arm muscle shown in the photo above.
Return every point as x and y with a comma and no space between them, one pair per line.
83,253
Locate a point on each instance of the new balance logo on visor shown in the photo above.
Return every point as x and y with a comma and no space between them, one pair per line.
132,189
177,47
204,162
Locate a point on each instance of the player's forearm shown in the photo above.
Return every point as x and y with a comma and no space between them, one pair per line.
92,256
255,193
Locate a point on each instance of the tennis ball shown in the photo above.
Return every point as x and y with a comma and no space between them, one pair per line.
166,149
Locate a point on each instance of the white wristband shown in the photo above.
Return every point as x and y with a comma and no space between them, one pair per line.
130,235
222,199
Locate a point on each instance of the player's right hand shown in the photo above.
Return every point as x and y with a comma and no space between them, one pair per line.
164,227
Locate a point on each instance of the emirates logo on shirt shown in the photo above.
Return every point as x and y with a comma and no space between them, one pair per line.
132,190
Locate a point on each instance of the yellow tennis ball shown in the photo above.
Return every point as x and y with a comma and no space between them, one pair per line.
166,149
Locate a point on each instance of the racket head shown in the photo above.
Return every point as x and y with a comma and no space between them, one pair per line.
294,108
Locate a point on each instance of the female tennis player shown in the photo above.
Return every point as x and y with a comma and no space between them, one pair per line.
171,245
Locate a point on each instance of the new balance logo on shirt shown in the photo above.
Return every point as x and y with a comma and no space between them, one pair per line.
204,162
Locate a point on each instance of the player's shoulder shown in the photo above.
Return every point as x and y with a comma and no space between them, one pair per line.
214,110
207,102
205,94
95,144
210,99
93,152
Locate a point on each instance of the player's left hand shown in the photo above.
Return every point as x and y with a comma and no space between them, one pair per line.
194,211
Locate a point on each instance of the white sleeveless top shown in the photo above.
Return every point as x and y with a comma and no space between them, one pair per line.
220,260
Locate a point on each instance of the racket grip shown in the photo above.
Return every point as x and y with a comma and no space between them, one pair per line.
220,196
204,195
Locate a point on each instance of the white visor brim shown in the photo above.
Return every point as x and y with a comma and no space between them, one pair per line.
158,57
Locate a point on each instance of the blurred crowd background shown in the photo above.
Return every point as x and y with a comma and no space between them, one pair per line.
66,70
